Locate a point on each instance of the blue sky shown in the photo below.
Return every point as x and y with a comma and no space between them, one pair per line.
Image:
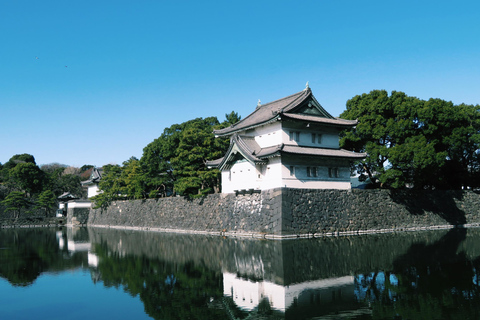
93,82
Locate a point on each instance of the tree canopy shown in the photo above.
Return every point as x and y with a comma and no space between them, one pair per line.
412,142
23,184
172,164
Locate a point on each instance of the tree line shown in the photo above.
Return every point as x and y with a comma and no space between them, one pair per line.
25,186
172,164
409,143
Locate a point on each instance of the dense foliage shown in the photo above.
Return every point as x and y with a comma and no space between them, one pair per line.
29,252
26,187
409,142
168,290
172,164
415,143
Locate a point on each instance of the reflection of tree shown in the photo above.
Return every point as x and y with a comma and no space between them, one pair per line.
168,290
26,253
428,282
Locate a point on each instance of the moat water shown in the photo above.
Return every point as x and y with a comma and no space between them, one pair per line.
95,273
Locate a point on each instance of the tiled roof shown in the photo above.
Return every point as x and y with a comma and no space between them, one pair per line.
67,196
337,153
214,163
95,176
334,121
274,111
250,149
248,145
266,113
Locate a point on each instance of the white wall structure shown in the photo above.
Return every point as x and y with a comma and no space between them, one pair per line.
248,294
92,182
92,190
291,142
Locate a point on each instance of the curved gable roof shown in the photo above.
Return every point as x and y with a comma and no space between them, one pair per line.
295,104
240,147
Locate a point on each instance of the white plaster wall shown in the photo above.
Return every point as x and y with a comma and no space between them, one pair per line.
93,191
242,175
75,204
276,294
74,246
329,139
246,294
92,259
272,177
300,179
297,184
269,135
227,186
79,204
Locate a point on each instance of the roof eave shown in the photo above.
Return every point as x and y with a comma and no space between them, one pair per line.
240,129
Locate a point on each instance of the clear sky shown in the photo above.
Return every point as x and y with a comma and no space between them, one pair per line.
93,82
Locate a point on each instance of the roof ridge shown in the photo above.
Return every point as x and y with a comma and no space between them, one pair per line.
284,98
271,102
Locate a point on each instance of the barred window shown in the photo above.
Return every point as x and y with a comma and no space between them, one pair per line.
312,172
333,172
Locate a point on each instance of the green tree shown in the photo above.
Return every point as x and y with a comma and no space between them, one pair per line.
231,118
110,185
5,173
133,180
197,144
70,183
175,161
15,201
411,142
46,201
19,158
157,169
168,290
28,177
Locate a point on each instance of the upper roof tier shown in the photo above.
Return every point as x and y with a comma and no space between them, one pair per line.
301,106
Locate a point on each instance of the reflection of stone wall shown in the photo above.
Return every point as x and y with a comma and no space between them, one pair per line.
247,256
281,262
297,211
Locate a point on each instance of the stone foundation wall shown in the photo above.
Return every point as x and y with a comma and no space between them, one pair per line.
327,211
292,212
77,216
255,213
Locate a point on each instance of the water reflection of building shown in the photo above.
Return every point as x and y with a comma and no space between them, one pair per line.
299,279
248,294
76,241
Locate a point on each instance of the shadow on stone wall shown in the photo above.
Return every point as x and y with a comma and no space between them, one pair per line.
420,202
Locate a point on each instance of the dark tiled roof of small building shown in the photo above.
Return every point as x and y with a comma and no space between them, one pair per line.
95,177
67,196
